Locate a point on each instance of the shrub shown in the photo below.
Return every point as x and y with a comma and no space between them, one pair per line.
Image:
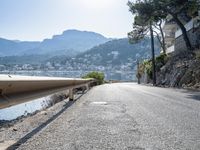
161,61
99,76
162,58
140,71
149,68
145,66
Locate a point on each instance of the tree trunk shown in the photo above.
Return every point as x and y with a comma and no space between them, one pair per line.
138,68
153,55
163,38
159,40
184,31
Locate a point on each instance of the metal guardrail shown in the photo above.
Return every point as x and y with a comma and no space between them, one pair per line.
19,89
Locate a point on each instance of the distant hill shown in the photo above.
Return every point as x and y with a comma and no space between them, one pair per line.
24,59
119,51
113,53
69,43
15,48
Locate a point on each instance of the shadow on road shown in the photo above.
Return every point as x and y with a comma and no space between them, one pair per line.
39,128
191,94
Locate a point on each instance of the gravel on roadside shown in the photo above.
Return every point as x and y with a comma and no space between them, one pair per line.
10,134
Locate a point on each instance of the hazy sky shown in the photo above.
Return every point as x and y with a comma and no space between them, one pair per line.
39,19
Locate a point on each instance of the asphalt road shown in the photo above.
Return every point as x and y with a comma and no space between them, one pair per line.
124,116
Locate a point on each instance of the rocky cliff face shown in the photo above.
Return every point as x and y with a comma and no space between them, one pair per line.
181,70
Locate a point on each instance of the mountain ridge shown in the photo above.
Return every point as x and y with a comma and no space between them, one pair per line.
69,42
112,53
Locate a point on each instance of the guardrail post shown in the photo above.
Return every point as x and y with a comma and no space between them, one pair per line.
87,87
71,95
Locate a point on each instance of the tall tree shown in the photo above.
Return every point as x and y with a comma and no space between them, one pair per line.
144,18
144,12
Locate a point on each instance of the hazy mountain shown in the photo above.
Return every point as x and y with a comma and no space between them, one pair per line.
14,48
24,59
69,43
73,40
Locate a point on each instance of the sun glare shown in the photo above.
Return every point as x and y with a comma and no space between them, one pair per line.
97,4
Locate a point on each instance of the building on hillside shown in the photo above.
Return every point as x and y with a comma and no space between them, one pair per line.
173,34
169,29
193,31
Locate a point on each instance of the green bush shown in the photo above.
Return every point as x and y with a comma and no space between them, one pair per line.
161,61
162,58
140,71
99,76
145,66
149,68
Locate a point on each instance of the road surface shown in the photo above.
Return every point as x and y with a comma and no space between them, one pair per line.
124,116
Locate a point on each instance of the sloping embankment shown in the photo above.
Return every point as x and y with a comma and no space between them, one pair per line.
181,70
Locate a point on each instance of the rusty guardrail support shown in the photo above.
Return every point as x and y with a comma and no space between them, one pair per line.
19,89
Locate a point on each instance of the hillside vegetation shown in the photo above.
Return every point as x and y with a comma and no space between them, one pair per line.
113,53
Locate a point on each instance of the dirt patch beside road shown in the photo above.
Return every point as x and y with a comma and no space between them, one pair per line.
15,130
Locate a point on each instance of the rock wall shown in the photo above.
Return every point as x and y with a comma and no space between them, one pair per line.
180,71
194,36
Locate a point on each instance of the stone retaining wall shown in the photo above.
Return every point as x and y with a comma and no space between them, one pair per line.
194,35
